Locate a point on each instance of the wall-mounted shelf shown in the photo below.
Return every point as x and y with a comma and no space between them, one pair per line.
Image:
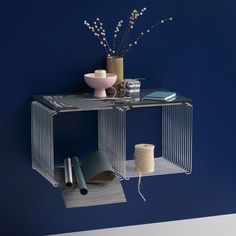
176,139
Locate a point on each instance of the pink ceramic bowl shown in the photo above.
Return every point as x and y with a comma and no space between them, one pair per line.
100,84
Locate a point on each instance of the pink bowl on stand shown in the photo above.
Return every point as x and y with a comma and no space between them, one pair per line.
100,83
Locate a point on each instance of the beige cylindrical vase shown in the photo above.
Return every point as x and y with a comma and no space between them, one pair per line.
116,65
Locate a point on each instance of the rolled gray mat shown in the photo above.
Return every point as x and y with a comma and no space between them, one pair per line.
97,169
68,172
79,176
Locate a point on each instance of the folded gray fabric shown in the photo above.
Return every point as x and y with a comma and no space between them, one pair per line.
97,169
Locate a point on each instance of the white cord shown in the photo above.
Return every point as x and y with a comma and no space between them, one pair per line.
139,186
139,183
115,92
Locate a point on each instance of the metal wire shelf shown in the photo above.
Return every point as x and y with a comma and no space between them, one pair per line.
112,121
176,140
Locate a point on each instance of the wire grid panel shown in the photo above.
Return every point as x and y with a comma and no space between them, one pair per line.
42,146
177,135
112,138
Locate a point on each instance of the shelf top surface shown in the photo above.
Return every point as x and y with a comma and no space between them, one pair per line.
86,101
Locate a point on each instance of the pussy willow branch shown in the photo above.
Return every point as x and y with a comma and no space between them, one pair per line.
97,29
100,28
135,42
126,33
123,38
116,31
134,16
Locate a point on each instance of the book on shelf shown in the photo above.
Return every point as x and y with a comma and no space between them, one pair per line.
160,95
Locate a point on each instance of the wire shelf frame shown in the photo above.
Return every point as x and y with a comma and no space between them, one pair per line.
177,119
176,140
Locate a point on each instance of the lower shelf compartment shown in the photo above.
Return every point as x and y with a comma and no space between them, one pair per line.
162,167
98,194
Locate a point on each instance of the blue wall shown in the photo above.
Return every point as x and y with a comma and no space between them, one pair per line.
46,49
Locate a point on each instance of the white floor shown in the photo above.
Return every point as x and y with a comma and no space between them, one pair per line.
224,225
